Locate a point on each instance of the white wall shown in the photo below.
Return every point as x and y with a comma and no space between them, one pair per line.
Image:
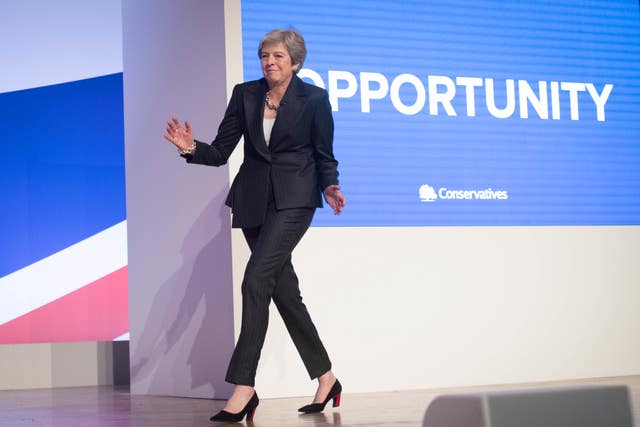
409,308
180,297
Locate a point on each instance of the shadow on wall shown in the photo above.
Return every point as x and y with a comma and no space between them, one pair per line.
189,329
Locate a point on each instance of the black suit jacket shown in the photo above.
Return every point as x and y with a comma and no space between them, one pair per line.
298,163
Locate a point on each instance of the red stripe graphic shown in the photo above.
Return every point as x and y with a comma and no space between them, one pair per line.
96,312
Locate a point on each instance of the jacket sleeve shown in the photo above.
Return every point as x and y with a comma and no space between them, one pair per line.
229,132
322,138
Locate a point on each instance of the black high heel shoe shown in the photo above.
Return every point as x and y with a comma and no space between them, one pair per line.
334,393
249,410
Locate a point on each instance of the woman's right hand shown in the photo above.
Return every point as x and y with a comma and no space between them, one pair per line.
181,137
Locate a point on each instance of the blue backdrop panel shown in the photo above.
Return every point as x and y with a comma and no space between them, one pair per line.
62,167
557,157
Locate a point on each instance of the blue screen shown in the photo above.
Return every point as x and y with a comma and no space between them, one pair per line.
476,113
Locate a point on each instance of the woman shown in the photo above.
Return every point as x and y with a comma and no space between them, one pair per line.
288,162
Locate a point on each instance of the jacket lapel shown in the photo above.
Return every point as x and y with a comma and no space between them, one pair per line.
254,107
291,107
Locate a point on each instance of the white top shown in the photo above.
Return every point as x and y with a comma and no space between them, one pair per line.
267,125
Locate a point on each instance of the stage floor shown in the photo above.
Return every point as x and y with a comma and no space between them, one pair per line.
108,407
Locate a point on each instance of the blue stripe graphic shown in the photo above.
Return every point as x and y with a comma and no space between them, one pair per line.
62,167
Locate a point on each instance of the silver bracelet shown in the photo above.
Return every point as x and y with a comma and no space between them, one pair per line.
189,150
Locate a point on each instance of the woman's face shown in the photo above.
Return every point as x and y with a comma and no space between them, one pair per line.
276,64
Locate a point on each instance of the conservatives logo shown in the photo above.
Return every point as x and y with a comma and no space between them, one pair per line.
428,194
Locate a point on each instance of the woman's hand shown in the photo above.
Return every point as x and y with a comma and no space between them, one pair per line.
181,137
334,197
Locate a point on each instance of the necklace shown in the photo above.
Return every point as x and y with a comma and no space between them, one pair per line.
270,105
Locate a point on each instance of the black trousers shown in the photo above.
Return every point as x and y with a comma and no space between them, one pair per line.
269,275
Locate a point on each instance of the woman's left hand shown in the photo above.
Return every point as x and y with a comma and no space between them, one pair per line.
334,197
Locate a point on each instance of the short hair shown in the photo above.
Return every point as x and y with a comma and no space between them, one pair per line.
292,40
